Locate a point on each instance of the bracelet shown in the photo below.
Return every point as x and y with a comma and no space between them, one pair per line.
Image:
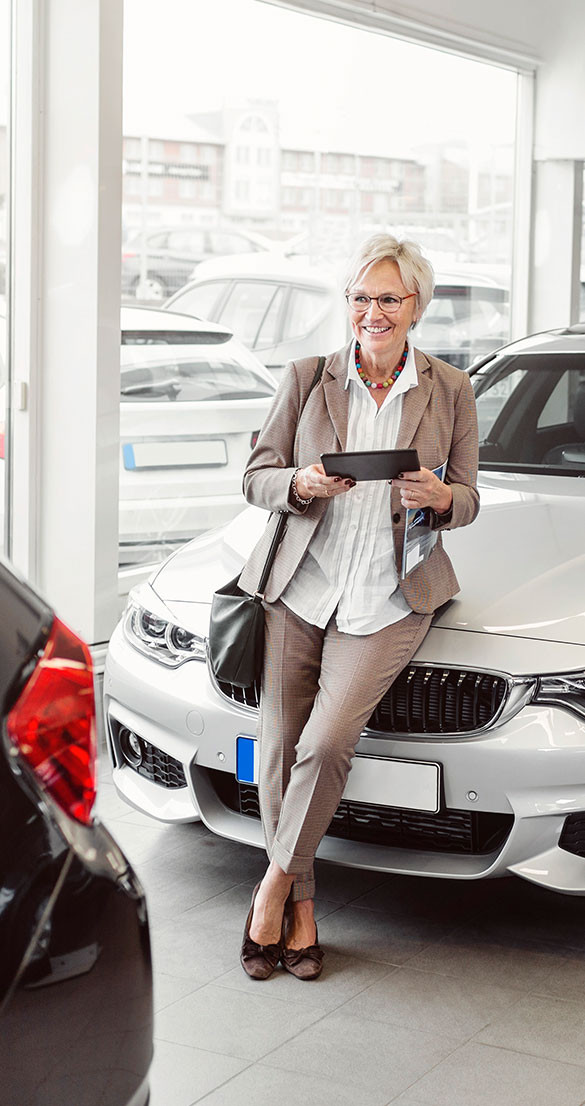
293,485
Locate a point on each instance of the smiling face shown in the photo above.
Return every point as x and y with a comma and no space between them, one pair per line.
381,336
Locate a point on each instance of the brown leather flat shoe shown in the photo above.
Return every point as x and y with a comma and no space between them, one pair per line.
304,963
258,961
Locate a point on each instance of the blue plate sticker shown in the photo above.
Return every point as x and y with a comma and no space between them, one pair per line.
246,760
128,455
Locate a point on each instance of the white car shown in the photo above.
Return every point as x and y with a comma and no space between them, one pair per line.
192,399
473,764
278,307
284,310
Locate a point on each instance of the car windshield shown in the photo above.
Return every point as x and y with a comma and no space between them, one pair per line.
531,413
464,322
156,374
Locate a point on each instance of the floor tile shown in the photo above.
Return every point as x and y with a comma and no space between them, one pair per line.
169,989
345,884
405,895
472,955
181,1075
373,1058
374,936
434,1003
566,979
409,1099
262,1086
477,1075
194,952
342,978
223,1020
554,1028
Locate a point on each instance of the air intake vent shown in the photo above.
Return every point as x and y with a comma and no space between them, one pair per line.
451,831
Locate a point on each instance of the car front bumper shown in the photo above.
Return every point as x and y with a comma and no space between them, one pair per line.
530,768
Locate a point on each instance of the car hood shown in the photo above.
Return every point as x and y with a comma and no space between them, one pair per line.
521,565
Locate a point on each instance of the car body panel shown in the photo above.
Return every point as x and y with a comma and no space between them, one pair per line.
75,966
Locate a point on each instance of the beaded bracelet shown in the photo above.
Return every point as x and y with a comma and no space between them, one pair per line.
293,485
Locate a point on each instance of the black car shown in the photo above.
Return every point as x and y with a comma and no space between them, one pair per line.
75,965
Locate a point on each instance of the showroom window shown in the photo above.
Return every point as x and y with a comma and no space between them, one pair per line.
4,266
301,172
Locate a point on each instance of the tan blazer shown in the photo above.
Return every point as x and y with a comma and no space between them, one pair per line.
438,419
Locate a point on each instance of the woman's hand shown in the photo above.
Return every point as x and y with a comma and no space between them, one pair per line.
313,481
424,489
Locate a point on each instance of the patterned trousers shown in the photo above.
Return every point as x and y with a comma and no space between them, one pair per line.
319,688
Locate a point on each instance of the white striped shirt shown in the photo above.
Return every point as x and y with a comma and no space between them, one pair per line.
350,565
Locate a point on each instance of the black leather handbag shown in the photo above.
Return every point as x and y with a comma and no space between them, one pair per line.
235,645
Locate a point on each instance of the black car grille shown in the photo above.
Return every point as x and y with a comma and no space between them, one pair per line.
154,764
572,838
470,832
423,699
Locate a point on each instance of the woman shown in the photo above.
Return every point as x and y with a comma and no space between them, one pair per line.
340,623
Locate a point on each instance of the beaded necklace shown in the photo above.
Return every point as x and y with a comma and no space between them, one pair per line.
386,383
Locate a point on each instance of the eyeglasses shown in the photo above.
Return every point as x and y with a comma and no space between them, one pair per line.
387,302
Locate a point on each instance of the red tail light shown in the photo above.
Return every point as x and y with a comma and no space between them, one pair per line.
2,434
254,438
53,723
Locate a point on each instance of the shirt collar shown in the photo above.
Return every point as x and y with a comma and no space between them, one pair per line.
408,377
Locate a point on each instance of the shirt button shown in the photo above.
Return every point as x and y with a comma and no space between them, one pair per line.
396,517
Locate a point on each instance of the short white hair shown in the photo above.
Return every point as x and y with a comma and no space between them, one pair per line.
415,271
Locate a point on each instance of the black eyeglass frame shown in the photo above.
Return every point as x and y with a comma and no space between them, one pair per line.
362,310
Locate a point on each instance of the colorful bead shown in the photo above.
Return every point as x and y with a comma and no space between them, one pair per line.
393,376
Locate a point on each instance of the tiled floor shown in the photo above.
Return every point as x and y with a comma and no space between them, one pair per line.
434,993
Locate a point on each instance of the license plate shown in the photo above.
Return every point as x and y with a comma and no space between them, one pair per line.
174,454
406,784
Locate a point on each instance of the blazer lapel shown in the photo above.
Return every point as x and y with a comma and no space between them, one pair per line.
414,402
336,394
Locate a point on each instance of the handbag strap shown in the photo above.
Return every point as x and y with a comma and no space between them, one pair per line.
282,521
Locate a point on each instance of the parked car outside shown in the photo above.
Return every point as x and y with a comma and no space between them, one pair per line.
468,317
280,309
192,399
490,714
75,966
285,310
172,252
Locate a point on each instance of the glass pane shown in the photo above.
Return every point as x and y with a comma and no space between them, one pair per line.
268,333
282,178
531,411
201,301
305,307
245,309
4,274
182,374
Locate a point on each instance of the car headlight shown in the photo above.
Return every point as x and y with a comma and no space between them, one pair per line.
160,639
566,691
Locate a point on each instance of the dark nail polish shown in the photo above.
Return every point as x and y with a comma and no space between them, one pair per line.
337,479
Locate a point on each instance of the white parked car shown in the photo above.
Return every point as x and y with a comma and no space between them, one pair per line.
279,308
192,399
284,310
489,715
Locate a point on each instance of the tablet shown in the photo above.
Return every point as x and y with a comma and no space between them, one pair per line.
375,464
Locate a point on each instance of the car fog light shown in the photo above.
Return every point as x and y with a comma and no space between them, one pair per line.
131,747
